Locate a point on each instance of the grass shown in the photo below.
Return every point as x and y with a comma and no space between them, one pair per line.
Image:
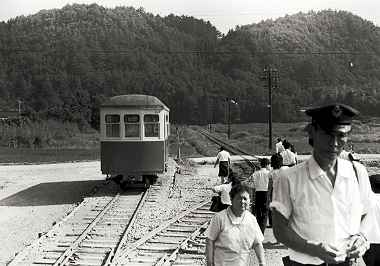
252,138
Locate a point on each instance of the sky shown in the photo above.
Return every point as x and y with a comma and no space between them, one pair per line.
223,14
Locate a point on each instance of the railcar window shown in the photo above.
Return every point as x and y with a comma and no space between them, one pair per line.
132,126
152,125
112,126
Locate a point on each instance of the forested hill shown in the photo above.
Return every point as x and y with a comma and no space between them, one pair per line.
62,63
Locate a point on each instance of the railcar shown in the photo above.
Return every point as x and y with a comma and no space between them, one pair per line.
134,131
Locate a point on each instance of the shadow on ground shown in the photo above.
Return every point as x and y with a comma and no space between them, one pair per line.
54,193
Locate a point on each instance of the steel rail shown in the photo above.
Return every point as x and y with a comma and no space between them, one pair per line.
169,259
71,249
231,148
37,242
80,239
115,251
126,254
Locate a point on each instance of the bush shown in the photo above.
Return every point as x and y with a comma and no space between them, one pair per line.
42,134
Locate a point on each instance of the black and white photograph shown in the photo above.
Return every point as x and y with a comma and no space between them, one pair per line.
174,132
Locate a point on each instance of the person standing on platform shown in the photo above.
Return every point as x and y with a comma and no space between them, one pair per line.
223,158
318,206
260,180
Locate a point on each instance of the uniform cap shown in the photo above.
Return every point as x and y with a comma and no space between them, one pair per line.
333,117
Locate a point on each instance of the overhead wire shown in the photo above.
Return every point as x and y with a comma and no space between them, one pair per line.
128,51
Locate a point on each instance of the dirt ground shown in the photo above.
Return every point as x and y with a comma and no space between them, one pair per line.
33,197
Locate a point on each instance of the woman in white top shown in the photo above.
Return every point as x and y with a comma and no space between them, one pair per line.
233,233
224,191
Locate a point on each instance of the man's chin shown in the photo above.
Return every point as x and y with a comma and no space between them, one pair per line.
332,155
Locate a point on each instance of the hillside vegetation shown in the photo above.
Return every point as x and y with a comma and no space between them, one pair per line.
63,63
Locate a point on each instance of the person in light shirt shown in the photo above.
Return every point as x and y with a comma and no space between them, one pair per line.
372,227
289,157
276,163
223,158
279,146
233,233
260,181
318,205
224,190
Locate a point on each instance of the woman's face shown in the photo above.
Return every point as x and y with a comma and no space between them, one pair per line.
241,201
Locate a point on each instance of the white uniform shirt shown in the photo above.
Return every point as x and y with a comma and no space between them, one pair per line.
288,157
223,156
275,173
260,179
224,190
371,223
315,209
279,147
234,237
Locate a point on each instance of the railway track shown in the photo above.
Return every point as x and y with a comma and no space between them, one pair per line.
92,234
232,149
180,241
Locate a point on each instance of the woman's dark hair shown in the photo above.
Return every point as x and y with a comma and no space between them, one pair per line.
264,162
286,144
276,161
238,189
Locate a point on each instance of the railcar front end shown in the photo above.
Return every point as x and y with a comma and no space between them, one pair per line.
134,137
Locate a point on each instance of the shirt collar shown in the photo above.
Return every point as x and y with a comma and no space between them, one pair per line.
235,220
316,171
263,170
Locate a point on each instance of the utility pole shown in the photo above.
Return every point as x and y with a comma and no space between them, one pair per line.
19,111
228,118
178,144
271,78
19,108
228,102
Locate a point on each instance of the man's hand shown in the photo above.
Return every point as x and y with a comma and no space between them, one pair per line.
328,253
357,246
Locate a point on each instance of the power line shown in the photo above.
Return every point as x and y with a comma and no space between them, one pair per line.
133,51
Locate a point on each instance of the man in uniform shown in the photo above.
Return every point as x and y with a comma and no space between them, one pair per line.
318,205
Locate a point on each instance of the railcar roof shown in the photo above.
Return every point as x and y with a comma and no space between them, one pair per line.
134,100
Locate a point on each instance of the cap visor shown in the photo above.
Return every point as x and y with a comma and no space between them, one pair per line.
341,128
